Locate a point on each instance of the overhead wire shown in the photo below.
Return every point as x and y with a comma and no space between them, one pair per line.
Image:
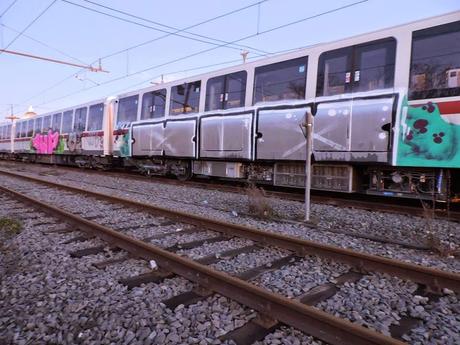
147,42
168,33
45,44
29,25
210,49
186,30
8,8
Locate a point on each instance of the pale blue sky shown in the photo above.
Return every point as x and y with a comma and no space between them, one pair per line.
85,36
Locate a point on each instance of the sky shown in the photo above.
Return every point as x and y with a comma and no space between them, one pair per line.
66,30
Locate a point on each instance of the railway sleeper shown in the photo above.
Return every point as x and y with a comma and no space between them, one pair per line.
408,322
152,277
258,328
191,297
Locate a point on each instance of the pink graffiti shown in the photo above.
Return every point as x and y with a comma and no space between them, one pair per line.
46,143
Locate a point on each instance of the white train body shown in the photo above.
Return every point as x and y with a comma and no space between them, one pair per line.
386,109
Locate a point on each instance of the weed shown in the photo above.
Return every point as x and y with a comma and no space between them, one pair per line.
258,203
10,226
432,240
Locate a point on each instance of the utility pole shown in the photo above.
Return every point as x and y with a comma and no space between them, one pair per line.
13,118
308,139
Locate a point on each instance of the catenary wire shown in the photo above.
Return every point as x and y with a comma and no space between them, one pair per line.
182,30
142,44
45,44
208,50
8,8
168,33
29,25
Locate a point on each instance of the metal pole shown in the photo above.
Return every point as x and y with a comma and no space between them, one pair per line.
308,125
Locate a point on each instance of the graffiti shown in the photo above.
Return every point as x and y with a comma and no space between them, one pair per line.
74,142
46,143
122,139
426,139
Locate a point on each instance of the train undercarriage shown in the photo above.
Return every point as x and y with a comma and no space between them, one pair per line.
440,185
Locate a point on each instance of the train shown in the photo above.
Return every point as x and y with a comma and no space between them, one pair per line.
385,107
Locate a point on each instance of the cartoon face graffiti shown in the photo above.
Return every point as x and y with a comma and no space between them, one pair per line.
427,135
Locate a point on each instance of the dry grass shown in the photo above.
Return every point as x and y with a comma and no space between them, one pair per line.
258,203
432,240
10,226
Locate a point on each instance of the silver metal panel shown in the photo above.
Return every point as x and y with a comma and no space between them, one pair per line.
179,138
148,139
331,127
280,134
368,117
226,136
220,169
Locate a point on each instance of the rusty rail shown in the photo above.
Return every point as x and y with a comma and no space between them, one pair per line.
434,278
305,318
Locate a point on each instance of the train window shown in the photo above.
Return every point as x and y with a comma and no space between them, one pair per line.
374,65
334,72
435,62
29,132
364,67
226,92
282,80
46,123
185,98
127,109
95,117
18,129
79,122
38,127
67,121
153,104
56,125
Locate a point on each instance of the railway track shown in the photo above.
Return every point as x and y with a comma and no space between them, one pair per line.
364,202
273,308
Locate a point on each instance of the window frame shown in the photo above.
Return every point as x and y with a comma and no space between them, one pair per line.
352,65
186,85
224,98
38,130
60,122
155,93
269,68
30,132
77,117
18,130
90,114
70,127
438,93
49,124
124,122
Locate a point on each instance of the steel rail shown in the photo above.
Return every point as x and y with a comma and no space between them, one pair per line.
305,318
380,206
362,262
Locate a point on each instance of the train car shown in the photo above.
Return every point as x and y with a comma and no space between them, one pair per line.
71,136
386,116
385,107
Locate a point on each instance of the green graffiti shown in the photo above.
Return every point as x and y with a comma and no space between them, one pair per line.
60,147
426,139
124,145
